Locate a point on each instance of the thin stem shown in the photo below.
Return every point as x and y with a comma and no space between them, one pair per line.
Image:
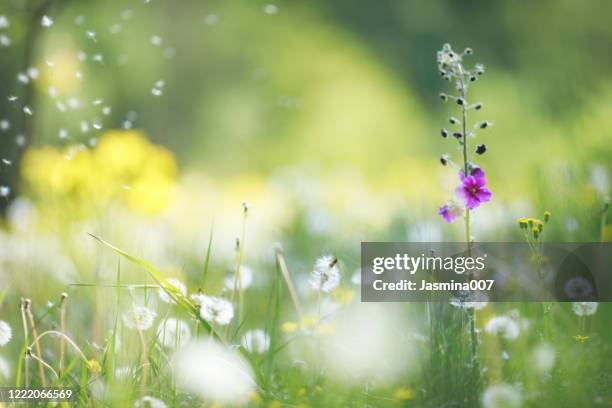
62,330
41,369
25,340
144,361
465,157
280,258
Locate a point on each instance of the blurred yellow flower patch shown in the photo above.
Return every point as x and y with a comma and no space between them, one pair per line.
124,167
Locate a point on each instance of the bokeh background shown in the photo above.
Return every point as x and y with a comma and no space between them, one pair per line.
151,122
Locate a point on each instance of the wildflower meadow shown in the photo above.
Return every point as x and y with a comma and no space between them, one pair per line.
185,188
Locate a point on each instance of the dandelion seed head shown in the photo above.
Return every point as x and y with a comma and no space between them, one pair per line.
5,40
584,308
177,285
501,396
504,326
46,21
213,372
6,333
139,318
149,402
245,281
4,22
326,274
270,9
256,341
172,333
91,35
216,310
543,358
211,19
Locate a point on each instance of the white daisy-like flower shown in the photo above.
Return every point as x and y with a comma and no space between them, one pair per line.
584,308
5,369
177,284
213,372
246,278
256,341
216,310
150,402
172,332
501,395
140,318
326,274
504,326
6,333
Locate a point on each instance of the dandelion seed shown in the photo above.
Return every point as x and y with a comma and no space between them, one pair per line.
175,285
84,126
504,326
156,92
5,40
156,40
326,274
501,395
46,21
5,191
4,22
106,110
96,125
172,332
60,106
27,110
5,125
91,35
256,341
139,318
20,140
246,278
6,333
98,58
211,19
115,28
23,78
7,162
584,308
213,372
160,83
270,9
12,98
81,56
216,310
150,402
79,20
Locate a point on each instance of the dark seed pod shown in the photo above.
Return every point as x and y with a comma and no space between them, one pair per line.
444,160
472,78
444,97
468,51
453,120
478,106
483,125
480,149
444,132
460,101
457,135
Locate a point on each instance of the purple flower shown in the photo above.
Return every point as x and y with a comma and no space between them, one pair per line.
450,211
472,189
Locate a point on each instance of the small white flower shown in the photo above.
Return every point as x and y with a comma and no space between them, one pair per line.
216,310
177,284
326,274
504,326
172,332
246,278
6,333
46,21
501,396
5,40
4,22
156,40
149,402
5,191
256,341
584,308
140,318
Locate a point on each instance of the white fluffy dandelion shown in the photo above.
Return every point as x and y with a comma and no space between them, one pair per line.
177,284
256,341
326,274
246,279
140,318
46,21
172,332
543,358
504,326
213,372
584,308
216,310
501,396
6,333
150,402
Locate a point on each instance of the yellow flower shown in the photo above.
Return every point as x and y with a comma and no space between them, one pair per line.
326,328
403,394
94,366
343,296
309,321
289,327
274,404
580,338
301,392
